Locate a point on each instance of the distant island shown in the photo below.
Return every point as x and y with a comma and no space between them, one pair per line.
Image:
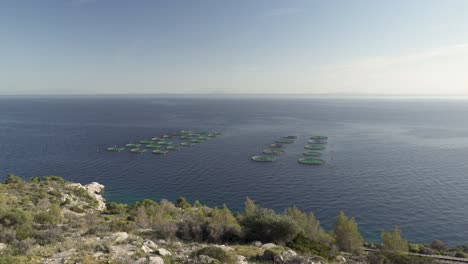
50,220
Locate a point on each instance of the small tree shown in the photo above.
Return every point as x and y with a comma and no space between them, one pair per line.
12,178
393,242
182,203
438,245
249,207
347,234
309,225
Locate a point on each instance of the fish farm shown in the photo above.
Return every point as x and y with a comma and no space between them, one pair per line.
312,153
263,158
116,149
314,147
315,141
311,161
160,151
285,141
160,145
153,146
273,151
171,147
133,145
277,145
138,150
317,137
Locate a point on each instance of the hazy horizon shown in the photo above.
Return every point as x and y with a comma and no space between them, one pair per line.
356,48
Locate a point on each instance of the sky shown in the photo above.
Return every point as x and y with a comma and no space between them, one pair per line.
358,47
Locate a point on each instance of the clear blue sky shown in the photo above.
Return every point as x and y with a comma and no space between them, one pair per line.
270,46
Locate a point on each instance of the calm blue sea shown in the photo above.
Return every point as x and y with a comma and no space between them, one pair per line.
389,162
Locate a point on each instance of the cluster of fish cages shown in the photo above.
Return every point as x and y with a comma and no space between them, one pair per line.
168,142
276,149
313,147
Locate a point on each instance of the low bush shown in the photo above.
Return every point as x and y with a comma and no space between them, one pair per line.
217,253
304,245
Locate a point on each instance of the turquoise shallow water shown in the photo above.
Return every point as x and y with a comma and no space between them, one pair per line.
389,162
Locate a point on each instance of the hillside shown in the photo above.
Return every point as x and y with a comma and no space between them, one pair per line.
50,220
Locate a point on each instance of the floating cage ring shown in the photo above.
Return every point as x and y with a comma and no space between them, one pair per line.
263,158
173,147
133,145
312,153
314,147
115,149
146,142
319,137
290,137
160,151
277,145
273,151
285,141
153,146
311,161
316,141
186,144
164,142
138,150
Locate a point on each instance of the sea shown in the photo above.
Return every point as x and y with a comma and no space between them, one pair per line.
389,161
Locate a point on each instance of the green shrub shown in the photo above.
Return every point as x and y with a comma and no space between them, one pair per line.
14,217
117,208
307,246
53,178
347,235
267,226
77,209
182,203
12,178
217,253
460,255
393,242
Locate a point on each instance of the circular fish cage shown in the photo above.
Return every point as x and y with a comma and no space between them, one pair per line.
185,132
160,151
166,136
311,161
315,141
138,150
290,137
197,140
211,135
153,146
186,144
277,145
273,151
318,137
146,142
185,137
115,149
285,141
314,147
263,158
173,147
203,138
312,154
163,142
156,139
133,145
